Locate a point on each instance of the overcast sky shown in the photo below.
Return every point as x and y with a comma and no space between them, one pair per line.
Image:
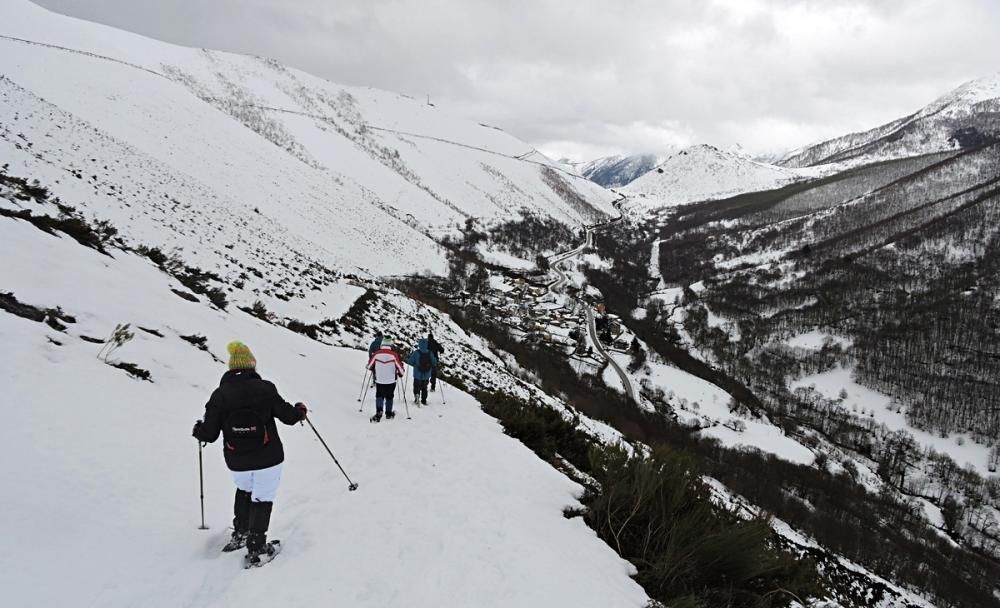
586,78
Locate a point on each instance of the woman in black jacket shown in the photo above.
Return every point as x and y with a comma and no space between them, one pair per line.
244,409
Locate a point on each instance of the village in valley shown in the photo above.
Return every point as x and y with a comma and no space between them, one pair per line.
549,308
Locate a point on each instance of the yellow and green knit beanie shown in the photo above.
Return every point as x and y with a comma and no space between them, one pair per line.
240,356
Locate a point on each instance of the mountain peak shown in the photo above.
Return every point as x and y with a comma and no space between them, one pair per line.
962,99
704,172
962,118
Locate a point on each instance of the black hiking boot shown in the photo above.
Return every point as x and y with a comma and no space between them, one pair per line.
376,418
241,522
260,520
263,556
390,415
236,542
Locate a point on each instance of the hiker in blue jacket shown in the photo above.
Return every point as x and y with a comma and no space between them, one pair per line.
372,349
423,362
375,345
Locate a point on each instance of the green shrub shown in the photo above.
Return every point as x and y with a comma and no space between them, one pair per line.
133,370
541,428
354,318
258,310
658,514
306,329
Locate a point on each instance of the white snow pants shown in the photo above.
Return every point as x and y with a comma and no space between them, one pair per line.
262,484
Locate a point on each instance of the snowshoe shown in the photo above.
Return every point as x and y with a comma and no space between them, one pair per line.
258,559
390,415
238,541
376,418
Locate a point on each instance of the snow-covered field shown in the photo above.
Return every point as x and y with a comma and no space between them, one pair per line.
102,507
866,402
698,402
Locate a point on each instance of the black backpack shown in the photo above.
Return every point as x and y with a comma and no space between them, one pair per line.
425,364
245,431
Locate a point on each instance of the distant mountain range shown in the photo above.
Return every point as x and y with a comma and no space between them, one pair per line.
617,171
966,118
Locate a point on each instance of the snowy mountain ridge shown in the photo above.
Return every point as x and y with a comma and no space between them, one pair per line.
348,171
971,97
705,172
966,117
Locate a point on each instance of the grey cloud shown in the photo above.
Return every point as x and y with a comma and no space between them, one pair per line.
588,76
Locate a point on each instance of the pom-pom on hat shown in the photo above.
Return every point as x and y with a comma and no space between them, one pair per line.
240,356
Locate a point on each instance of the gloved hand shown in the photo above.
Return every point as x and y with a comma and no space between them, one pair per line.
302,410
196,431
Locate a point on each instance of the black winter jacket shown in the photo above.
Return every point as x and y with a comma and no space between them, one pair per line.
244,389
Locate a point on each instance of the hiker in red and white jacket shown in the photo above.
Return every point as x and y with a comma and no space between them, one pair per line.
386,367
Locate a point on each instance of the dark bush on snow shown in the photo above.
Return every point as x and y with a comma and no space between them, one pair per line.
541,428
658,514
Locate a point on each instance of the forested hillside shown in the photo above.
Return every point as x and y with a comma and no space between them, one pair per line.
858,312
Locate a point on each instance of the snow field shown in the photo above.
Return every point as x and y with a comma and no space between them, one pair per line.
881,408
697,400
449,510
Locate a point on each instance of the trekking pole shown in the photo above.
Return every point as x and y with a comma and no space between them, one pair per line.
201,484
367,385
351,485
364,383
405,402
441,382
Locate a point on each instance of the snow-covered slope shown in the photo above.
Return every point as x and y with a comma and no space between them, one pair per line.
617,171
352,178
101,504
966,117
702,173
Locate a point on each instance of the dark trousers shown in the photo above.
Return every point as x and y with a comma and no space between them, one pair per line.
420,390
384,394
434,377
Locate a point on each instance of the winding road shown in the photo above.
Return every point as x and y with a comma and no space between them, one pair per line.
592,328
555,263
